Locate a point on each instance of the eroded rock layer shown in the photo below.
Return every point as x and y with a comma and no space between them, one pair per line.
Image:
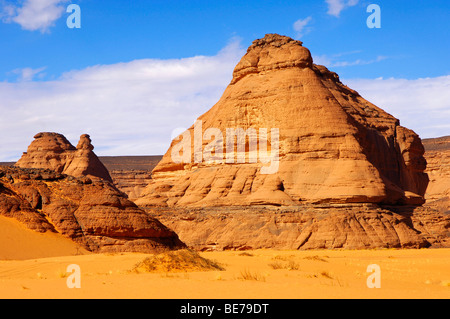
337,226
334,146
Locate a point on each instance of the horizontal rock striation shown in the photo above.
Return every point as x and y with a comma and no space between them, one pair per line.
337,226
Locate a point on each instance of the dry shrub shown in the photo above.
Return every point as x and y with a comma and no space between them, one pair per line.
246,254
276,265
177,261
248,275
316,258
284,262
283,258
292,265
289,265
326,275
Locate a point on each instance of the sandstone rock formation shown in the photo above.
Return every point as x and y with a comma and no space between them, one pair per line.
438,169
91,212
334,146
53,151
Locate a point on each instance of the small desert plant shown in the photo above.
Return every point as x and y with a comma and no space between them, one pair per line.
177,261
289,265
292,265
248,275
283,258
276,265
326,275
246,254
315,257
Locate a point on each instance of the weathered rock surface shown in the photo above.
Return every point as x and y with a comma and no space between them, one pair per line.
53,151
438,169
91,212
334,146
346,226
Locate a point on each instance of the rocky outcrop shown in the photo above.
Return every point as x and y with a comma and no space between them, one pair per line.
337,226
53,151
333,145
92,212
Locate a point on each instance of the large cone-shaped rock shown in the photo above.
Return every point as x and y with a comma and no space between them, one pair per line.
53,151
333,145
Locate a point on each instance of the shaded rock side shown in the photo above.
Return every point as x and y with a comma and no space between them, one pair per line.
438,169
334,146
93,213
53,151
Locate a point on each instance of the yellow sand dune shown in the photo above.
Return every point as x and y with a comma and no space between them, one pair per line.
19,242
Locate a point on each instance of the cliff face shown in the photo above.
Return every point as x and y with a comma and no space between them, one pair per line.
344,226
90,212
438,169
333,146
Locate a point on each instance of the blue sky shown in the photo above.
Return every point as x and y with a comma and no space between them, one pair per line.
53,77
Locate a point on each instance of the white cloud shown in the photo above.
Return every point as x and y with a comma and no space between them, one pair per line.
422,105
34,14
127,108
331,61
358,62
336,6
27,74
300,26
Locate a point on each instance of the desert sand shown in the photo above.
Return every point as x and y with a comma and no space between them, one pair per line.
19,242
268,274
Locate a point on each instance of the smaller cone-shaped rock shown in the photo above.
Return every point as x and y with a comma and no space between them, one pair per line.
53,151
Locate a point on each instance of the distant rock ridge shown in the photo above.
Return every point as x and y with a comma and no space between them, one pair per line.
334,146
53,151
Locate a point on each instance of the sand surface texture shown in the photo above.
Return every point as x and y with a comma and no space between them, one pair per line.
273,274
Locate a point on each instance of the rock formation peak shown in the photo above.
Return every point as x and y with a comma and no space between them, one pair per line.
85,143
273,39
273,52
